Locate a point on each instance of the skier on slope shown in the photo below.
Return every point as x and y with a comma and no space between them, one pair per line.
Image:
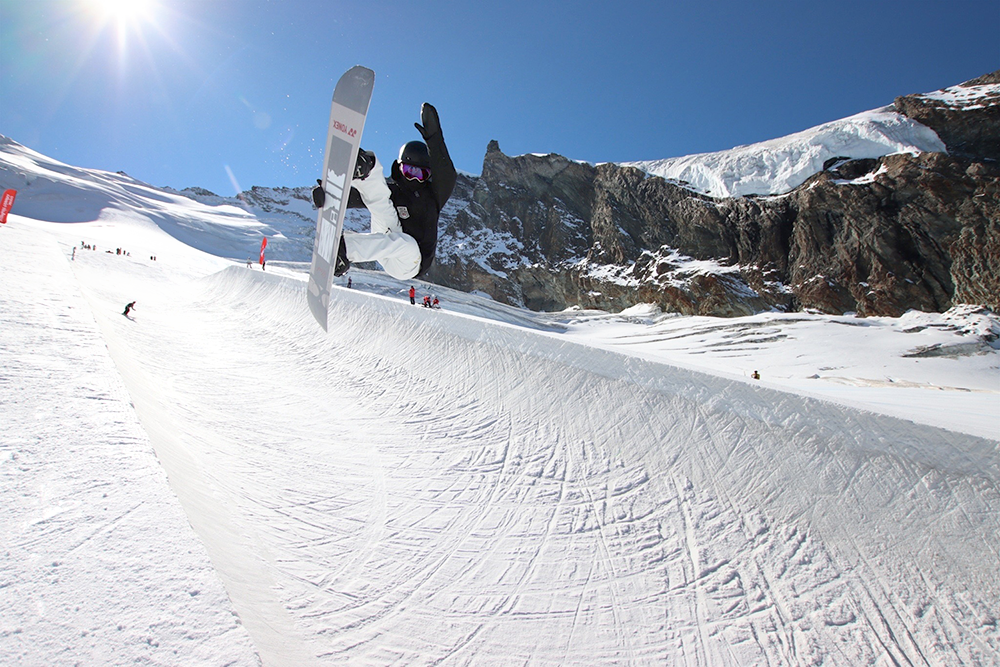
404,211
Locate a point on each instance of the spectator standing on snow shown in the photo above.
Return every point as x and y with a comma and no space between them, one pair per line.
413,296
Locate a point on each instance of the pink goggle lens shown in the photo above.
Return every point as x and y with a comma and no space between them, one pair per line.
414,173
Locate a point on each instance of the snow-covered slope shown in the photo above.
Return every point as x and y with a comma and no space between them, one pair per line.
223,226
98,563
779,165
477,484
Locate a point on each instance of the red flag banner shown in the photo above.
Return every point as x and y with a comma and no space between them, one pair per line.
5,203
263,244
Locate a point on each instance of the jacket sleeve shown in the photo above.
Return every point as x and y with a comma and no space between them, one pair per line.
443,174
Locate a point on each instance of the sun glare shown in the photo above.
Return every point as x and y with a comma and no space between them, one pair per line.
122,11
126,18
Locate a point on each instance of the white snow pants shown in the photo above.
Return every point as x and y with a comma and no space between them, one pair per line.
387,244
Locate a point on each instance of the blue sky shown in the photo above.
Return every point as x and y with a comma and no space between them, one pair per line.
223,94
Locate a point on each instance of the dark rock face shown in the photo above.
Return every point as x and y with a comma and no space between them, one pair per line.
967,130
874,236
897,243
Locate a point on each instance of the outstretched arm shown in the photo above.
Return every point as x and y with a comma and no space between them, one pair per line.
443,174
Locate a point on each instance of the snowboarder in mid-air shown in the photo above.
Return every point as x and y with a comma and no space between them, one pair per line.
404,210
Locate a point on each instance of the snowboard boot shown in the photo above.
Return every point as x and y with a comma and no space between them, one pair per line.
342,264
363,167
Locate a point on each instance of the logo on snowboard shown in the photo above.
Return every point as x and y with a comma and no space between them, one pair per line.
343,129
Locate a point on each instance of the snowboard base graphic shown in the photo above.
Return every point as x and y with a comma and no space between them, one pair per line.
347,121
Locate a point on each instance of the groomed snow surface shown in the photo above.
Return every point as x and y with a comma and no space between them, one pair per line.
213,480
471,485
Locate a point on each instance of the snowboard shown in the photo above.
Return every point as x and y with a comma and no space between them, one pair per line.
347,120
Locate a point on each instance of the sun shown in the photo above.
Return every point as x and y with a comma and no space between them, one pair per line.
122,11
128,19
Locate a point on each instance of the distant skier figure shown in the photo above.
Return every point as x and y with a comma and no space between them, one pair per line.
128,308
756,375
349,282
404,211
427,301
436,303
413,296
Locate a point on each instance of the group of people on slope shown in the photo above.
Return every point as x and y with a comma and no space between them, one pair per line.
427,302
118,251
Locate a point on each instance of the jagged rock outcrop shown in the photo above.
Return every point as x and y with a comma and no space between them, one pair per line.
875,236
968,130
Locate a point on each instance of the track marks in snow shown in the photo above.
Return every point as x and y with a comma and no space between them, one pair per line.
422,487
98,562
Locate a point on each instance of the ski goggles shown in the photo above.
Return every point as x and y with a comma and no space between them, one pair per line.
414,173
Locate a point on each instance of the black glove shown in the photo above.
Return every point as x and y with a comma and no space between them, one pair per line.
319,196
429,125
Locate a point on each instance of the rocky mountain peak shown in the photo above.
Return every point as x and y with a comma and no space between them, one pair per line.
876,235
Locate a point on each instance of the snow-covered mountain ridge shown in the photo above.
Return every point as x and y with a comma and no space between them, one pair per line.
781,165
